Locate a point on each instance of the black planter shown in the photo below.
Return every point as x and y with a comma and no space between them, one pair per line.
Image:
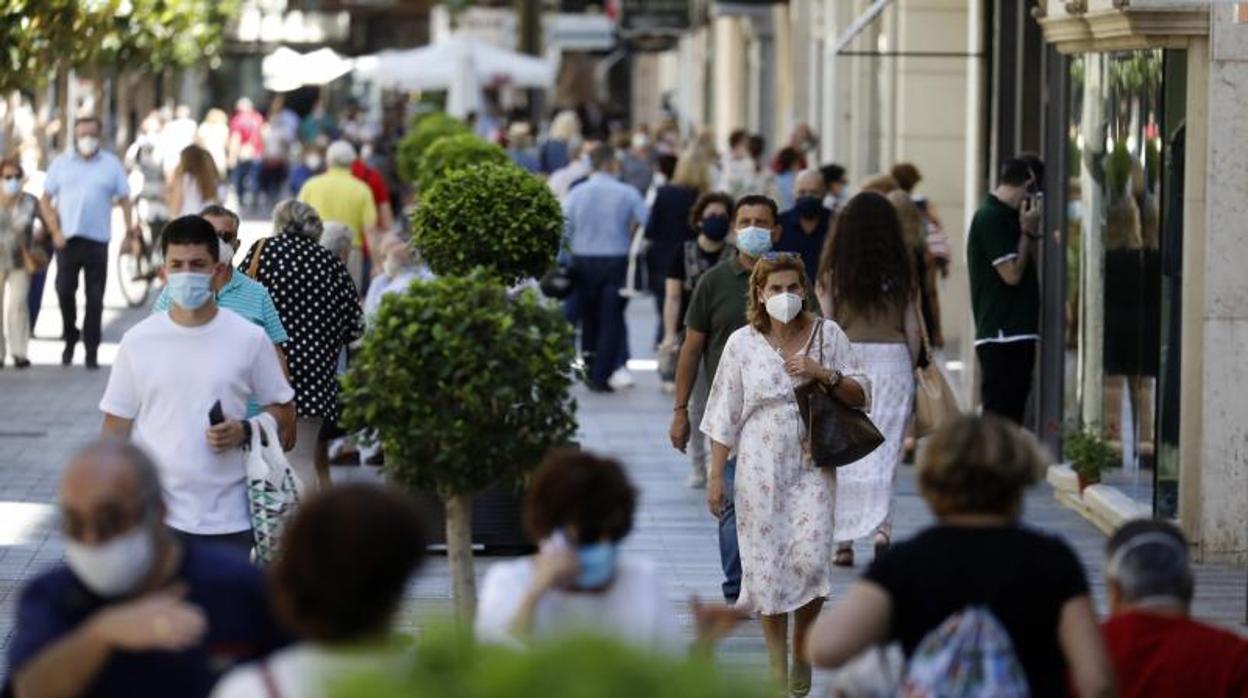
497,525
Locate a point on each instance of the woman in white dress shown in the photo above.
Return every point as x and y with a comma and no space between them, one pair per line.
783,501
867,285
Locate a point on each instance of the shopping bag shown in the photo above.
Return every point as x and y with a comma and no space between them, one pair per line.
274,490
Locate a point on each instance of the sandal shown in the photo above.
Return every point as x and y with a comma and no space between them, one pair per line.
844,557
882,544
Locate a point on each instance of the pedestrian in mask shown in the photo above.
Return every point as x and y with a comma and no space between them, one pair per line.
804,228
180,385
134,609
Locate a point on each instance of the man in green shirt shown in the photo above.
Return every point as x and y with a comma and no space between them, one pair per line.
1005,288
716,310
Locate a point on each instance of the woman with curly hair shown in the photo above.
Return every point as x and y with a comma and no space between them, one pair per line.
783,502
866,284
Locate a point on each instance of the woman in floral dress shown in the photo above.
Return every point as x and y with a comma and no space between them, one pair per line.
784,502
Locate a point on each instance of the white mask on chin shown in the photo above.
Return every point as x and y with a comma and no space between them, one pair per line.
784,306
116,567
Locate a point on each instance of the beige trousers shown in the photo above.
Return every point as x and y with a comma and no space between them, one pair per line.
14,285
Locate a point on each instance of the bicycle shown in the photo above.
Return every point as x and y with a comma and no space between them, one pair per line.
138,261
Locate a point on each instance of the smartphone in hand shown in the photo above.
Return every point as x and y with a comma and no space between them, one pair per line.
216,415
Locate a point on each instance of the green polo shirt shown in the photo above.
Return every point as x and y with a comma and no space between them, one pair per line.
1003,313
717,308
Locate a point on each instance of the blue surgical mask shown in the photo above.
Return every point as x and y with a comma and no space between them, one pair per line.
12,186
754,241
189,290
597,564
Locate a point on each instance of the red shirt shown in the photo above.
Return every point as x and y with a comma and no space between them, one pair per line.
1158,655
374,180
248,126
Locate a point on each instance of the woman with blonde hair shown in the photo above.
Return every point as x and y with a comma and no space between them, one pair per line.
979,557
668,228
561,143
784,503
214,135
194,184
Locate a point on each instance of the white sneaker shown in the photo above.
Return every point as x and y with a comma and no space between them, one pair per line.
667,388
697,481
621,379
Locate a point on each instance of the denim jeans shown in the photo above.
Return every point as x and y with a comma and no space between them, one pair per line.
729,553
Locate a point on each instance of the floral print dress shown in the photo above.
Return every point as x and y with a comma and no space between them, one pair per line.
784,503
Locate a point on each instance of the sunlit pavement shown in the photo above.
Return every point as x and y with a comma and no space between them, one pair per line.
48,411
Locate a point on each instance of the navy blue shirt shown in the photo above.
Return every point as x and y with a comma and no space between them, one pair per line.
229,590
794,239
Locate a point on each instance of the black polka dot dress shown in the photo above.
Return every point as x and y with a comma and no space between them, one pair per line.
320,309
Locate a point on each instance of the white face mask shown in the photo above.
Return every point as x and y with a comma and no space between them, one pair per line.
12,186
784,306
87,145
114,568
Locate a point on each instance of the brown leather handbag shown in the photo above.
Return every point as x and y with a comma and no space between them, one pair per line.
836,433
934,401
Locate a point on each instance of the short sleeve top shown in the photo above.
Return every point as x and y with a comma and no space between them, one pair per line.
320,309
1023,576
1002,312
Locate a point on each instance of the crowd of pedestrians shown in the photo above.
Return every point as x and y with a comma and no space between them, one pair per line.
769,277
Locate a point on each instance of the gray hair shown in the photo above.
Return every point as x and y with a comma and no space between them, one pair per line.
340,154
292,217
1148,560
811,173
337,238
140,463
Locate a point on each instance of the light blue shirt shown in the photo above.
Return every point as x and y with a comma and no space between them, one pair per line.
84,191
599,214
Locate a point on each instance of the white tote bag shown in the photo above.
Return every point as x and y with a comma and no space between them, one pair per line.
274,490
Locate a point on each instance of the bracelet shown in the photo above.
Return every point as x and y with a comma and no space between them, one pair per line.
679,408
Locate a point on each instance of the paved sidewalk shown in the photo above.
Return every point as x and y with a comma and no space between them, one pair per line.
49,411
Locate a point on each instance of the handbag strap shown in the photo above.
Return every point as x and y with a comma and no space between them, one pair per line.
254,267
816,337
925,349
270,683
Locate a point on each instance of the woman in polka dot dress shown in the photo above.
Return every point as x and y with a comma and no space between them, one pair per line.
320,309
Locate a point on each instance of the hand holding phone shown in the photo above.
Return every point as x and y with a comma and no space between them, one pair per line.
216,415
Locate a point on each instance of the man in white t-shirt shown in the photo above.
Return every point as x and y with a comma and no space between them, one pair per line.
173,367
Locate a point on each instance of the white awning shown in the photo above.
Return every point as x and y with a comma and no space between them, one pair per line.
286,69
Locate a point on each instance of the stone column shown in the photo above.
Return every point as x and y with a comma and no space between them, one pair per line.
1213,504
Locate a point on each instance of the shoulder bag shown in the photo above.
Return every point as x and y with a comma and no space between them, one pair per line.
934,401
254,267
836,433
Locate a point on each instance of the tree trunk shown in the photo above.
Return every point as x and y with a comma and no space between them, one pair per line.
459,556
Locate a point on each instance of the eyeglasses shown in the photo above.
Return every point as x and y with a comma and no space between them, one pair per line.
780,256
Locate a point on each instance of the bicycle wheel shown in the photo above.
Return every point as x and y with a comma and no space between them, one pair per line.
134,275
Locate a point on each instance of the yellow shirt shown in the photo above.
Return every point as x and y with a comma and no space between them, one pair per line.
341,198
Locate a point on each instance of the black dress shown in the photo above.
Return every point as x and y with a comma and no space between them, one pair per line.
320,309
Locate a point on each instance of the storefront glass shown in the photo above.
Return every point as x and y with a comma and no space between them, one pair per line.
1123,228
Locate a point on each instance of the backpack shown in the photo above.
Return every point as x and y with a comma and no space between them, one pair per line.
969,656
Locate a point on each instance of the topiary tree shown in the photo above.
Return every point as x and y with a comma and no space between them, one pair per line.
494,216
456,152
467,385
420,135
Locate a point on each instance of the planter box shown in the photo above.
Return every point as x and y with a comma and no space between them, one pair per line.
497,526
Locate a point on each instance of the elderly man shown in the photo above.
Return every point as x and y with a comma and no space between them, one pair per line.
804,228
1156,648
339,197
133,610
78,196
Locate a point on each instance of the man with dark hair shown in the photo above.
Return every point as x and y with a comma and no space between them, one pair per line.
716,310
743,171
134,610
237,291
79,192
600,219
1156,648
1005,289
176,373
804,228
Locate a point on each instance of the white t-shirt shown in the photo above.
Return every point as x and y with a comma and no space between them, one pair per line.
635,608
166,378
304,670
